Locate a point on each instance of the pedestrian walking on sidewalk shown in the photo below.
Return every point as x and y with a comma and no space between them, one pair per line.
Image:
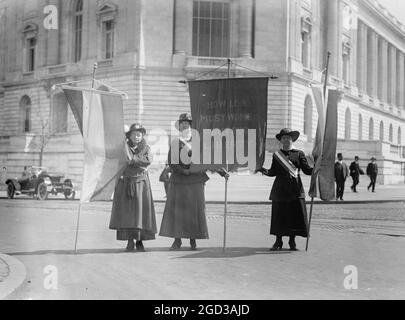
355,172
372,172
341,174
184,213
289,214
133,211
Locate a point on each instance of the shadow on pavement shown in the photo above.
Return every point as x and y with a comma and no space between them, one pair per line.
232,253
200,253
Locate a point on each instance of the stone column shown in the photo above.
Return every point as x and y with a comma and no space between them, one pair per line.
362,57
334,43
383,70
245,28
400,80
372,63
392,75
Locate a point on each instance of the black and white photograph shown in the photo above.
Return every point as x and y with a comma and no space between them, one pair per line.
202,154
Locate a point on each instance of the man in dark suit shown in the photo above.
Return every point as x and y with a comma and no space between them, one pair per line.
341,174
355,172
372,172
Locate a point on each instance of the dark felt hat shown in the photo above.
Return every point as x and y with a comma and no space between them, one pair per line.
136,127
183,117
288,132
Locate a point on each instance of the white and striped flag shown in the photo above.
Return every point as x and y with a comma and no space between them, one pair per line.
324,152
99,116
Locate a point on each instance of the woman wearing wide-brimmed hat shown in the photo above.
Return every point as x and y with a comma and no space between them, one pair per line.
289,215
184,213
133,212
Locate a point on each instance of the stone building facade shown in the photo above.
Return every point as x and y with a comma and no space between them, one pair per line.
147,47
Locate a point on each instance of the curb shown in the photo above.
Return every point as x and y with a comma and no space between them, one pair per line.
16,278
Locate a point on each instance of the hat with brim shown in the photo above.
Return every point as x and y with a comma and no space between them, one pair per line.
288,132
373,159
136,127
183,117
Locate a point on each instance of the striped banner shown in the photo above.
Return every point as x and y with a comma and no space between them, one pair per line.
324,152
99,116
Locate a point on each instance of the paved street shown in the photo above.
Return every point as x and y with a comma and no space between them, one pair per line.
370,237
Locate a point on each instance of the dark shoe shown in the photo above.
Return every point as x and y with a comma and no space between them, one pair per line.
193,245
176,245
139,246
130,245
293,246
368,188
277,246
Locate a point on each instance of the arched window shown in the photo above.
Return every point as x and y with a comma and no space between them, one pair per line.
59,113
399,136
381,131
25,109
308,117
391,134
78,29
348,124
371,130
360,127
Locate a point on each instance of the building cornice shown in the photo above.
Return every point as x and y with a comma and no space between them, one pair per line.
388,18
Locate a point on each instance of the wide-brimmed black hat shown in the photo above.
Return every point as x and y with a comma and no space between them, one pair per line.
136,127
288,132
183,117
373,158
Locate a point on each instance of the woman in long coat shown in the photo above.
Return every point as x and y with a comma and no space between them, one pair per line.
133,212
289,214
184,213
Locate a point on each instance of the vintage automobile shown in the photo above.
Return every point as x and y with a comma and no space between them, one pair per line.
36,182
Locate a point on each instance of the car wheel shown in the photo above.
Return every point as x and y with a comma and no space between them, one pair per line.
10,190
42,192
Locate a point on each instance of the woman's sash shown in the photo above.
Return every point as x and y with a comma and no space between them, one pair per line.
286,164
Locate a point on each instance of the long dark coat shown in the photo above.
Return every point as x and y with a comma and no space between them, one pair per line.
133,212
289,214
184,213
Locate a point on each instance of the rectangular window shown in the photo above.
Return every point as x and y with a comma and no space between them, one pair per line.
211,29
31,47
78,37
306,49
108,39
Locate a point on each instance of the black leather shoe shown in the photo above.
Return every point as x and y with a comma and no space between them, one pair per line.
193,245
277,246
130,245
139,246
292,244
176,245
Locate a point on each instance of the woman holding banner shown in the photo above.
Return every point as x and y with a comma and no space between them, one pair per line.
289,214
184,213
133,212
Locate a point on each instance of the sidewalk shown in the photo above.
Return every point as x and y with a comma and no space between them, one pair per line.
256,189
12,275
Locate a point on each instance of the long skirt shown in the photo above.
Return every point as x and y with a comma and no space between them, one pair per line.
133,213
184,214
289,218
